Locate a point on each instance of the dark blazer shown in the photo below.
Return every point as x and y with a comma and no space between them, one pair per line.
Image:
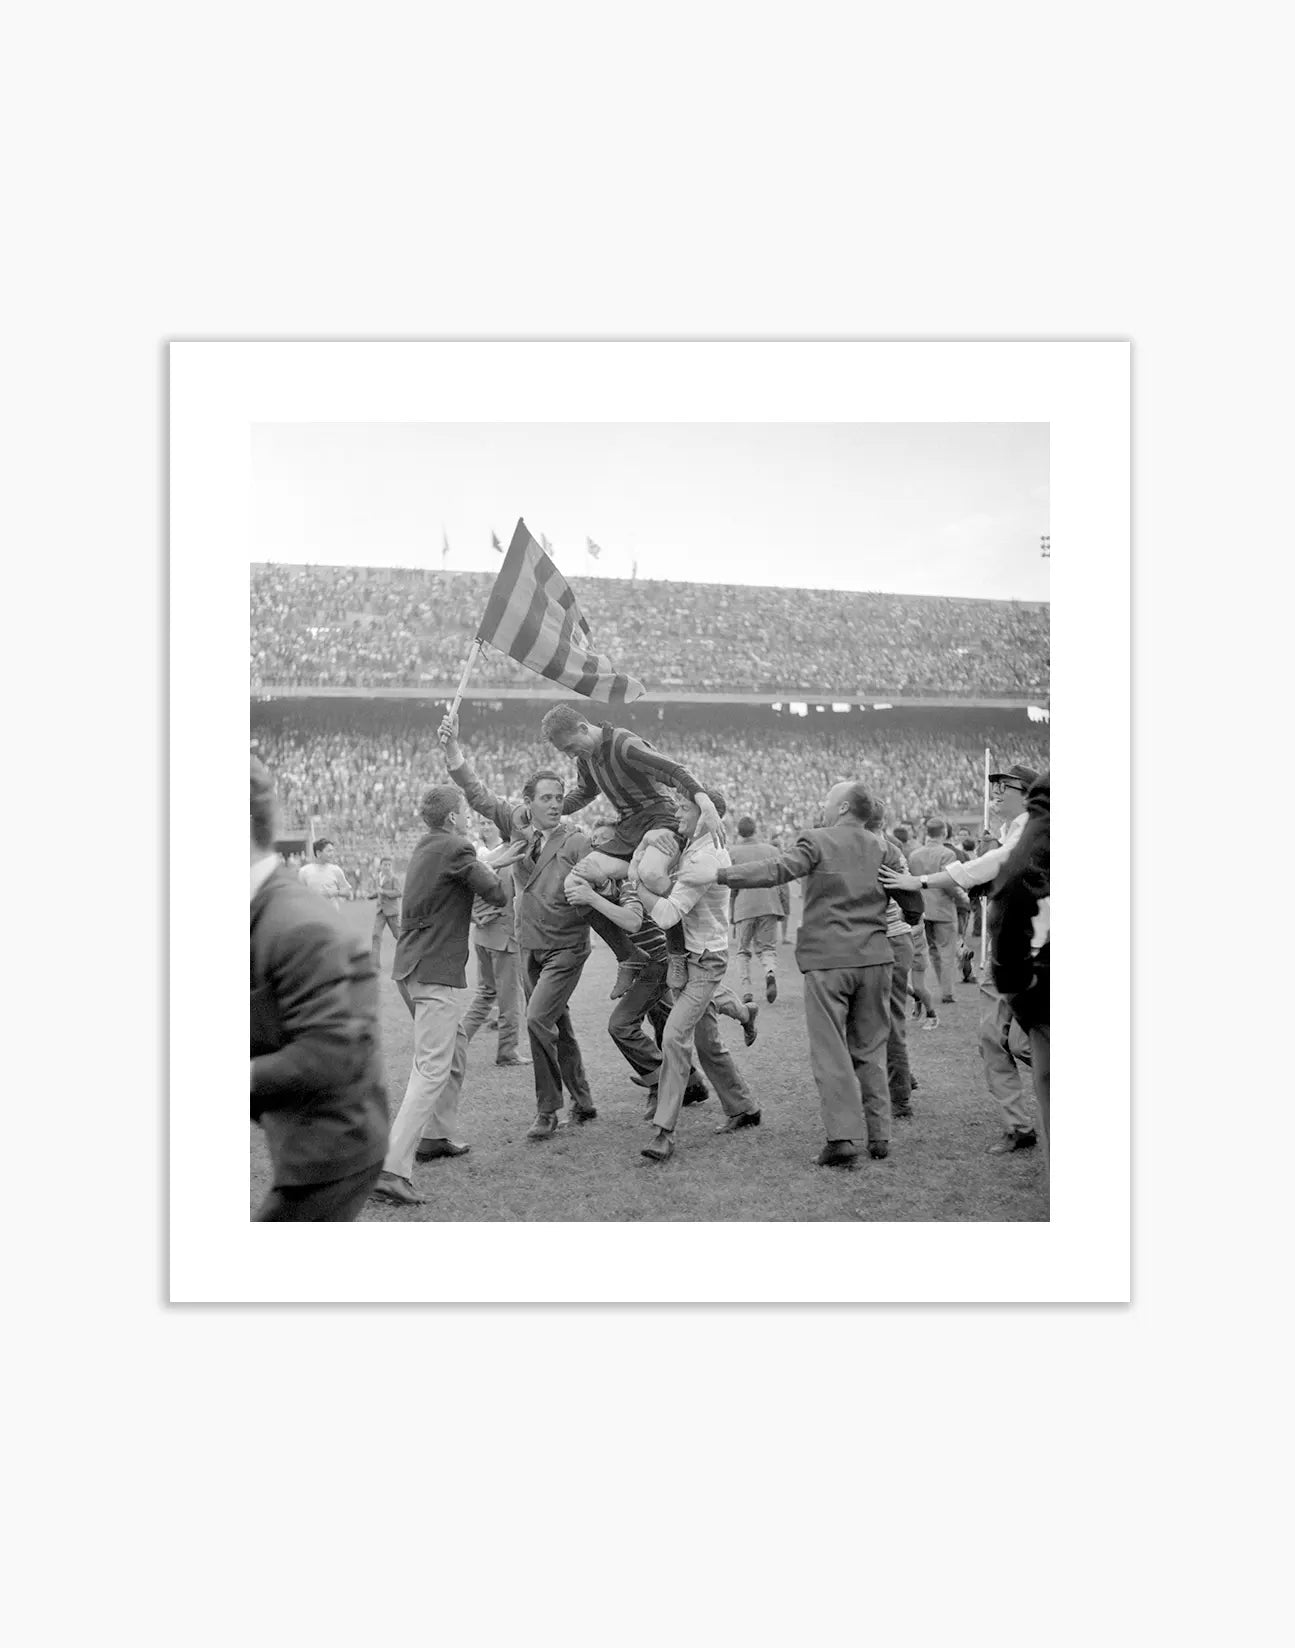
317,1079
443,877
844,920
545,921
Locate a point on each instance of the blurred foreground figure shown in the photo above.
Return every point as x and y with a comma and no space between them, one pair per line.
317,1084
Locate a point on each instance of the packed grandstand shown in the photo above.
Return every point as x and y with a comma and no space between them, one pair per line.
357,627
357,763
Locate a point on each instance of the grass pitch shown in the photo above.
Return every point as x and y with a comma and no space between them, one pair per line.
937,1168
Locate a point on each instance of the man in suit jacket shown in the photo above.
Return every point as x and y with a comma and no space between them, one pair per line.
499,982
553,935
387,913
444,876
845,956
756,913
316,1079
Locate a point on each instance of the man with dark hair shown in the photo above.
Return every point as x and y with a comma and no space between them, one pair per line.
317,1086
387,913
1004,1046
325,875
630,773
553,934
940,913
756,913
444,877
845,957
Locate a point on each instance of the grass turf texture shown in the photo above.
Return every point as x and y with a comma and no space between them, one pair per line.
937,1168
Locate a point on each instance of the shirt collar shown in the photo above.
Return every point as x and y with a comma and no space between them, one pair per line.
262,870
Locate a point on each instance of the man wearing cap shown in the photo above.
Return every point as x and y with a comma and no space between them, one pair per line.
1004,1046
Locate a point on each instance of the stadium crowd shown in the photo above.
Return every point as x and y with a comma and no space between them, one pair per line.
364,779
362,627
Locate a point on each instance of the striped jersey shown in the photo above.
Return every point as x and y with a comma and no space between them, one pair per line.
631,774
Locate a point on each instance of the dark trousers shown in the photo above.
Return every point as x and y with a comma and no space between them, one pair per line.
383,919
549,978
648,998
1041,1069
847,1016
898,1074
335,1201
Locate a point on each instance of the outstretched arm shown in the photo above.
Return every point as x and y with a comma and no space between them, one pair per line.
798,861
481,799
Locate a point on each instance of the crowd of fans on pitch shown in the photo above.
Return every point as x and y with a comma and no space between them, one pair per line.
365,785
363,627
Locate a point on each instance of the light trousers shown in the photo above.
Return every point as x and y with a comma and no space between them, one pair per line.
1005,1049
692,1023
430,1107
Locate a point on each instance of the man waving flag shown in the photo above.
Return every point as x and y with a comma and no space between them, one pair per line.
534,617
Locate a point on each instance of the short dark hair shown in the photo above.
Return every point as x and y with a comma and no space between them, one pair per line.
968,845
386,859
264,810
438,802
858,803
561,718
746,826
935,826
320,845
900,832
529,787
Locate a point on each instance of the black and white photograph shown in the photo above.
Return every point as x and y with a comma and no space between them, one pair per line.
651,816
662,835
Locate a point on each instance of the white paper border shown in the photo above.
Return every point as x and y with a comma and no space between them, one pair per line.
219,390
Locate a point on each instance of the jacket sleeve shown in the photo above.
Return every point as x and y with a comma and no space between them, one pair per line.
912,906
326,1041
484,801
798,861
485,884
586,789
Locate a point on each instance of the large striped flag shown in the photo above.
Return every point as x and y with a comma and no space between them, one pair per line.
534,617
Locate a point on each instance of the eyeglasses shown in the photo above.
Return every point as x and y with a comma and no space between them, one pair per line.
998,787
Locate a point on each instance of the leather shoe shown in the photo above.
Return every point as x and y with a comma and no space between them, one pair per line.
879,1152
676,973
696,1093
515,1060
392,1188
902,1112
734,1124
1020,1138
837,1153
748,1029
627,976
659,1149
770,987
429,1149
543,1127
648,1081
582,1113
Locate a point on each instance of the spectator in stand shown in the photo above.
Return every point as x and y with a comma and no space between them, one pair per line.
326,876
352,626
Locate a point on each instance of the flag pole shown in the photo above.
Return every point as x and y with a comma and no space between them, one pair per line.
984,903
473,654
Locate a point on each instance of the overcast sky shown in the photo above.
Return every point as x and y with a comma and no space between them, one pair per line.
936,509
